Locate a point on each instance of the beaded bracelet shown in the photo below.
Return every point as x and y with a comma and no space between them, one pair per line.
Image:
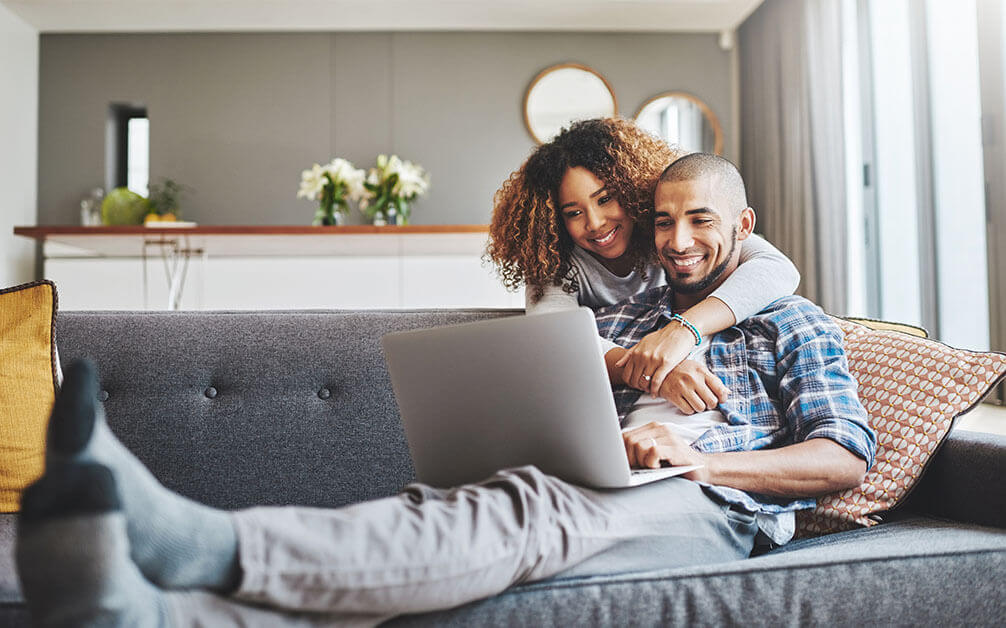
695,332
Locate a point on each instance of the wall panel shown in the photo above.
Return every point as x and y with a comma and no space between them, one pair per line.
18,145
238,116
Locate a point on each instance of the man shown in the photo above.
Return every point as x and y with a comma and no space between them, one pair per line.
101,541
701,213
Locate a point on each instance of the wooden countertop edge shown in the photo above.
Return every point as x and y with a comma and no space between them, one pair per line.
43,232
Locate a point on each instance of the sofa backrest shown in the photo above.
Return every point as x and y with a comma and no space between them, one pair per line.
255,408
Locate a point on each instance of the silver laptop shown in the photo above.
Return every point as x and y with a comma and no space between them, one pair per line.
479,397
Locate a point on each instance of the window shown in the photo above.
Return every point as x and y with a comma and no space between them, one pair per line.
918,246
138,155
958,174
127,148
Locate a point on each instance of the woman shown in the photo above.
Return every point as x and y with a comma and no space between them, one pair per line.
574,225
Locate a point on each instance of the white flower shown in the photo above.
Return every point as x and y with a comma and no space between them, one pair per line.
412,181
354,185
394,165
342,171
311,183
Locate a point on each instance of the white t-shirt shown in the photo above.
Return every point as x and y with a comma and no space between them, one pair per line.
657,409
690,427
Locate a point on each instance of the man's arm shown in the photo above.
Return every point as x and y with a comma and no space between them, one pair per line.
814,467
615,372
832,443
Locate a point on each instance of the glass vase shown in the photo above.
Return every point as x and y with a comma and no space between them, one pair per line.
329,214
404,212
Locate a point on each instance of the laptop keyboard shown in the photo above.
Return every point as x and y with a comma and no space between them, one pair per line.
648,471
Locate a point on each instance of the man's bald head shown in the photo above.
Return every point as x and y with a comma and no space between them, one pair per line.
726,178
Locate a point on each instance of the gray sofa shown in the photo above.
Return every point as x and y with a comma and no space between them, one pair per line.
238,409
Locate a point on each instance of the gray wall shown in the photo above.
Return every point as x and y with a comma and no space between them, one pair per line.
18,144
238,116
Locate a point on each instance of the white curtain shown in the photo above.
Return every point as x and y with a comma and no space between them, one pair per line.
792,138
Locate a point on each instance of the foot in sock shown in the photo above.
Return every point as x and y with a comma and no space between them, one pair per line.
176,542
73,554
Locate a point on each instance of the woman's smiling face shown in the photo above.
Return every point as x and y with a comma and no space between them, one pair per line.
594,219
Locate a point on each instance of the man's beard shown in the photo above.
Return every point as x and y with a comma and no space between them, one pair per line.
709,279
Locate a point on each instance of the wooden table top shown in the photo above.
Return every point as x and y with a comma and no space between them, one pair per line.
260,240
43,232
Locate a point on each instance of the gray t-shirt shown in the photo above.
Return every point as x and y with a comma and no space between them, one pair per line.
764,275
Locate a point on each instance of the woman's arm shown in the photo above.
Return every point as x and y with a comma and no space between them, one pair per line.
763,275
661,351
553,299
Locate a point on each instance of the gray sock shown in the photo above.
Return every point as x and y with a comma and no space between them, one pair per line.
73,554
176,542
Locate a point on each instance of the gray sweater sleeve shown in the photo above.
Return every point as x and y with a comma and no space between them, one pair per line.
764,275
555,299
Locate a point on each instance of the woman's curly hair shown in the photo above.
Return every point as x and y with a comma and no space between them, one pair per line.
528,241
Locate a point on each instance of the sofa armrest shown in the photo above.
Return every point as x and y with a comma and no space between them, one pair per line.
966,480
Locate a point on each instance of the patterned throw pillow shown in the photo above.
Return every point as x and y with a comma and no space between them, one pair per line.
28,377
913,389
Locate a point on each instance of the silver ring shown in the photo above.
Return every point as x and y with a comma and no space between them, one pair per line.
647,378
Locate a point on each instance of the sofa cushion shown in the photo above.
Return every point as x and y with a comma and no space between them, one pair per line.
913,388
27,384
921,571
10,588
916,571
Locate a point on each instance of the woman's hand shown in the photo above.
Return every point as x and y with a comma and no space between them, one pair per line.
646,365
693,388
646,446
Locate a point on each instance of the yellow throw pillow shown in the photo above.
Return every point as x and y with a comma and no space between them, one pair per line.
913,388
27,385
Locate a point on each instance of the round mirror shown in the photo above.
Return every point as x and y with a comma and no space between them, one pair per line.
562,94
682,119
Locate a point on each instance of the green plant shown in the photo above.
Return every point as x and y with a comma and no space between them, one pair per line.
165,197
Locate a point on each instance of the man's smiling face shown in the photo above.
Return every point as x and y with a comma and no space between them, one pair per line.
696,233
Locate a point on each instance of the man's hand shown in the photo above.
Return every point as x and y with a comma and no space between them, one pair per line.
814,467
646,446
693,388
645,365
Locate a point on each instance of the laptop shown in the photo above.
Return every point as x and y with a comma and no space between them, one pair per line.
478,397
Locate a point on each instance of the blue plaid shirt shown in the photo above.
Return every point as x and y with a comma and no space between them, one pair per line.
788,378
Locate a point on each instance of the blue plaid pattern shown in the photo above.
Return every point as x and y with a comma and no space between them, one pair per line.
788,377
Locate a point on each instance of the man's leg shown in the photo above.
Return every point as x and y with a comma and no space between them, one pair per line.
75,570
73,554
429,549
176,542
693,529
422,550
